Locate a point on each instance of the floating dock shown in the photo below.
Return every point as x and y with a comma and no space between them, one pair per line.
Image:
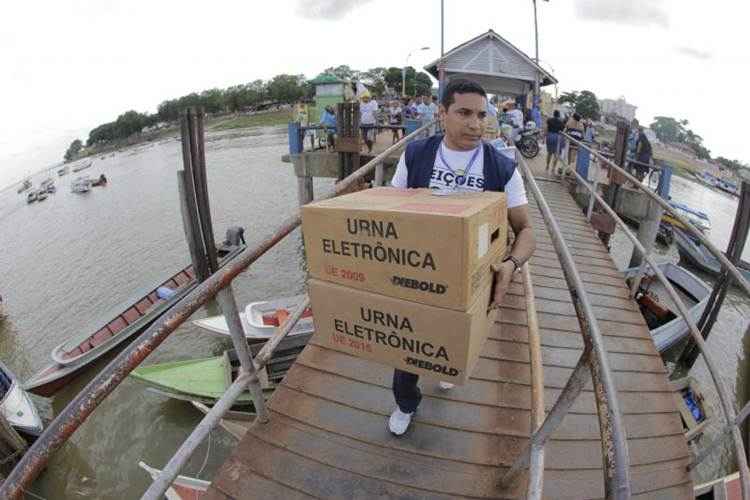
327,435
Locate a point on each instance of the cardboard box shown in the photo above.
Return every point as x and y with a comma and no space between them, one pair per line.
435,342
407,243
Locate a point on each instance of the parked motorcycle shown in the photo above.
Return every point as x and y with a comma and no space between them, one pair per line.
528,144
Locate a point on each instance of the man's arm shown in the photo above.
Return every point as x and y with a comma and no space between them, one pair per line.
522,250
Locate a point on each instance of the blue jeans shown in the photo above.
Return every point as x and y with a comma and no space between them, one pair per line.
405,391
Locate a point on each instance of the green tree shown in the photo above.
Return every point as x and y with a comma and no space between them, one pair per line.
423,83
286,88
375,78
344,72
569,97
584,102
668,129
587,105
73,150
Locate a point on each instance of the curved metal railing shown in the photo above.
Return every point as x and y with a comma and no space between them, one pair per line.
592,365
724,397
217,285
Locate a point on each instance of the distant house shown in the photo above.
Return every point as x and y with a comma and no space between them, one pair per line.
619,107
329,90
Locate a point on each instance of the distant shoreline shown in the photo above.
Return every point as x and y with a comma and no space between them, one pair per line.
213,124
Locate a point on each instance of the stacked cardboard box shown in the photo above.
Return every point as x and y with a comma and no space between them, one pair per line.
403,277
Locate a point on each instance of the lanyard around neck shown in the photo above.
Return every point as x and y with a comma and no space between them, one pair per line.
461,174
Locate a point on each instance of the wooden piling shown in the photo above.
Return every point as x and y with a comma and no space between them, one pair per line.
12,445
347,140
305,190
198,173
189,207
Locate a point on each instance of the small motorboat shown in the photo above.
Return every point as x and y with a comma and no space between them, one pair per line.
662,316
26,184
696,217
260,319
16,405
182,488
62,171
696,255
51,188
100,181
41,195
204,380
81,184
236,423
31,197
695,412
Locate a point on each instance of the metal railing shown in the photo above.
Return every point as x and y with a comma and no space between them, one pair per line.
732,420
217,285
535,483
592,365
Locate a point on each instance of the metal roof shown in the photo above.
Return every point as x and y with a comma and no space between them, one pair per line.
493,61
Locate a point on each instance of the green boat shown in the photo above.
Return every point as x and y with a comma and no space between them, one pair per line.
203,380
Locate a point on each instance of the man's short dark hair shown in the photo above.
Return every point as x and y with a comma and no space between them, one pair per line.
460,86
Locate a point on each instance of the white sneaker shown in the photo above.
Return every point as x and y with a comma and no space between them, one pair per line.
446,386
399,422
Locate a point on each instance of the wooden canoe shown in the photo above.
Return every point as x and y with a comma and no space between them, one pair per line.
72,356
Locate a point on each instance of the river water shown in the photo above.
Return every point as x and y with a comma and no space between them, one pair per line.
67,263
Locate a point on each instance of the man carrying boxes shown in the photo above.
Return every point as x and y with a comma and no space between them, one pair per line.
403,276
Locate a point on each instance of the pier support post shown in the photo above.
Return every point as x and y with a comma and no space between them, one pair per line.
11,443
305,190
647,230
347,142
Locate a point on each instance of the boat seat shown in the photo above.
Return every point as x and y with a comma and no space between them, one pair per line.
144,305
100,337
116,325
131,315
181,279
84,346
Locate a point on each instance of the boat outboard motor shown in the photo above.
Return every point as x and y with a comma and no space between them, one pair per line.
235,236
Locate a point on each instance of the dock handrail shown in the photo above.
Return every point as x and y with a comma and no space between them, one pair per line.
593,365
109,378
535,483
726,402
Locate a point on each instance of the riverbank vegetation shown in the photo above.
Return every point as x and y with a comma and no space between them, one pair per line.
242,101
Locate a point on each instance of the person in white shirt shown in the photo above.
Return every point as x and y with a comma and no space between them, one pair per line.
453,162
368,117
516,118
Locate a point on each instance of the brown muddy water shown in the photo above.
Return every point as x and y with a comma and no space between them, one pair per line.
68,262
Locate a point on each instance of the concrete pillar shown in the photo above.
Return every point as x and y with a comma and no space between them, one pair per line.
649,227
304,190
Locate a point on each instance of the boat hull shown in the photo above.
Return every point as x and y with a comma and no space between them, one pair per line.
670,333
55,376
17,407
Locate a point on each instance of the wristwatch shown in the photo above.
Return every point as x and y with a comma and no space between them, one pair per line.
514,261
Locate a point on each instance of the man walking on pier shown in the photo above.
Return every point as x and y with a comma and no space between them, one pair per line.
458,160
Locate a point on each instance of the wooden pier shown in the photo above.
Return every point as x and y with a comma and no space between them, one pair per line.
327,435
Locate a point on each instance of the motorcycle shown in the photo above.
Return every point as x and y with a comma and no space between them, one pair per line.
528,143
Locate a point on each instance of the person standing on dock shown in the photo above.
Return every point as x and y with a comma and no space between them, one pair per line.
458,161
368,113
328,120
574,128
554,126
395,119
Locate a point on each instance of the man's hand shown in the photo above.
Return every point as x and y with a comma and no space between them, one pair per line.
502,279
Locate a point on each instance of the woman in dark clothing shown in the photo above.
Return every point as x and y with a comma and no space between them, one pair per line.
554,144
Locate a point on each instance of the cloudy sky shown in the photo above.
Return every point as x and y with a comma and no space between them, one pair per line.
70,65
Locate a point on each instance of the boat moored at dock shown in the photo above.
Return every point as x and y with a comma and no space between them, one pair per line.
16,406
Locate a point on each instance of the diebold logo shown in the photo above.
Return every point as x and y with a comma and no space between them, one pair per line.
425,286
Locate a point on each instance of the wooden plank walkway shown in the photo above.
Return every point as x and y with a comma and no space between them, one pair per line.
327,437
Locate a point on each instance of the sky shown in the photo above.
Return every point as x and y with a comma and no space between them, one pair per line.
70,65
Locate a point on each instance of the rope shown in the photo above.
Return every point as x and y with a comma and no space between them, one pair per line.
205,460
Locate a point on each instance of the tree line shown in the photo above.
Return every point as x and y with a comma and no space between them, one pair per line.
281,89
666,128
